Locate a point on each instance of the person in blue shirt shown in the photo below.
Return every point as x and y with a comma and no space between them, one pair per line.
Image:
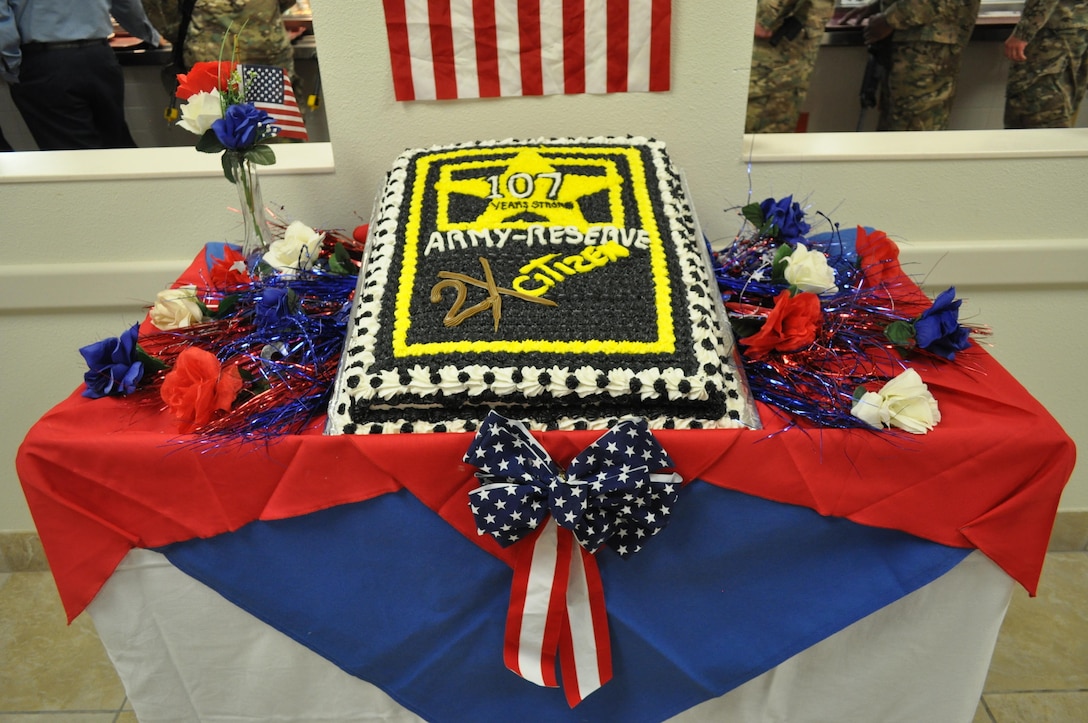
63,76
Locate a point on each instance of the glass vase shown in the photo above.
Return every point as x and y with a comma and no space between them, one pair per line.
257,236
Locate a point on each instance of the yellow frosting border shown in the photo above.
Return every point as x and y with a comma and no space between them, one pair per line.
666,338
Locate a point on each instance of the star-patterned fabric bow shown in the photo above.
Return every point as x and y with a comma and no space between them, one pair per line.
612,493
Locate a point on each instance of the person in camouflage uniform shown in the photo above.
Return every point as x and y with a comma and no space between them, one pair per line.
1049,71
782,66
928,38
219,27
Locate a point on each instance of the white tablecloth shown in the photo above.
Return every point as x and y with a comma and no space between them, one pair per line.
186,654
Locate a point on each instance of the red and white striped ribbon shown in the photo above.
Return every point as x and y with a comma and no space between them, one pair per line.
557,613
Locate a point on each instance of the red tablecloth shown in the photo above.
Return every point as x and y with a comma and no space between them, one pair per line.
103,476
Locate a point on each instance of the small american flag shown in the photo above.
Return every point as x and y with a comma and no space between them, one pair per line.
444,49
269,89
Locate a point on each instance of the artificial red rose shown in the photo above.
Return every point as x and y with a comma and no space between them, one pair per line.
879,258
791,325
204,77
230,270
198,386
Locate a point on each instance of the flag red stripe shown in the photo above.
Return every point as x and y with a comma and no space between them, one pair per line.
617,45
396,24
660,45
571,690
445,73
288,116
279,115
532,74
487,48
574,46
574,688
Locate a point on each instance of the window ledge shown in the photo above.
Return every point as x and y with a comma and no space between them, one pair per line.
146,163
942,145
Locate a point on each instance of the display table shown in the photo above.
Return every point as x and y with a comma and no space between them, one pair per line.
364,550
187,654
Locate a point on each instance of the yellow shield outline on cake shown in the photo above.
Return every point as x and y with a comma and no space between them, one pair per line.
665,342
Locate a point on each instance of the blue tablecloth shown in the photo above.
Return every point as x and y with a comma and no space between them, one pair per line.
391,593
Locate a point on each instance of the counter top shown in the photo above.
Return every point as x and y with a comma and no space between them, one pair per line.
991,27
135,52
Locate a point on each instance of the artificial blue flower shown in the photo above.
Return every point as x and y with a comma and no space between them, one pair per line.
242,126
786,216
273,308
841,252
112,365
938,330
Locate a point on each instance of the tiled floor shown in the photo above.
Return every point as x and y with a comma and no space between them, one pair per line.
1039,672
54,673
51,672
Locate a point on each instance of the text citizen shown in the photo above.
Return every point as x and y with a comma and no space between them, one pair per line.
541,274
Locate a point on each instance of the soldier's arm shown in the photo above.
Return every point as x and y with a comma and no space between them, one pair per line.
771,13
1032,18
163,14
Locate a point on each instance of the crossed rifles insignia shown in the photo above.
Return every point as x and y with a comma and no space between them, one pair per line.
461,282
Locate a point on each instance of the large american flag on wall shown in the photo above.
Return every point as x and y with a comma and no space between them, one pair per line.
443,49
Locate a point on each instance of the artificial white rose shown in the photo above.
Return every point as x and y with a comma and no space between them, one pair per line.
867,409
903,402
297,250
809,271
176,308
909,405
200,111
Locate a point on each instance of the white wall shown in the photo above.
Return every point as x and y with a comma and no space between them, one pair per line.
993,220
